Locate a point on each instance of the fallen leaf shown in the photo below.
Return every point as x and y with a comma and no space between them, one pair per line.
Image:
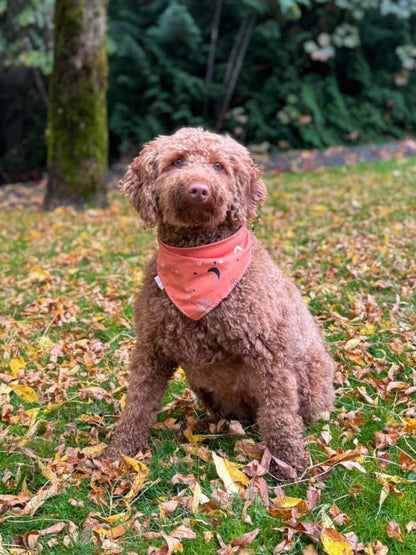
39,499
25,393
54,529
236,428
94,451
16,364
246,539
183,532
394,531
335,543
288,507
229,474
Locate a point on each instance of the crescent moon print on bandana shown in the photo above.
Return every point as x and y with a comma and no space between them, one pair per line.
215,271
185,273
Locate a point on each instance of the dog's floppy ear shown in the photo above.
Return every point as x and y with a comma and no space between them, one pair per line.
251,190
138,185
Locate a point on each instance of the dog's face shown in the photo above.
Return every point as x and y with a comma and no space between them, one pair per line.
194,178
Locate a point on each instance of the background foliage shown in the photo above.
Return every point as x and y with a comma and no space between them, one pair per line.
294,73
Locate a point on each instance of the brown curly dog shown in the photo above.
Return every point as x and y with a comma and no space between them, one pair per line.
255,351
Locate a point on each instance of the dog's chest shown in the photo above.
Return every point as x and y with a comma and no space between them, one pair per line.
191,343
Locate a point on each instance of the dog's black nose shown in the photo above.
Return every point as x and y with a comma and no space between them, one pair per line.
199,192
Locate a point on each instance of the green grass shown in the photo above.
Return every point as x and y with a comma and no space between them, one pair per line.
346,235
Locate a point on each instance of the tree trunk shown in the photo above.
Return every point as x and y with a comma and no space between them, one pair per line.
77,120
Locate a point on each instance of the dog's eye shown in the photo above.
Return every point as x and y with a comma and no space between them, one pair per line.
178,163
218,166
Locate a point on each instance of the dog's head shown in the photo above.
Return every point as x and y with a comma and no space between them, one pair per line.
194,178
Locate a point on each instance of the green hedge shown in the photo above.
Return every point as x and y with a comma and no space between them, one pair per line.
307,73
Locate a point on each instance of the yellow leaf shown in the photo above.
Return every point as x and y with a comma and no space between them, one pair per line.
223,473
335,543
196,497
409,423
37,274
235,473
290,501
229,474
199,451
284,507
137,465
140,478
318,207
25,393
180,375
197,438
45,343
51,408
47,473
16,364
94,451
368,329
33,412
119,516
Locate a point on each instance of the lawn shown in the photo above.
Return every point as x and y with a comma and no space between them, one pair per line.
348,237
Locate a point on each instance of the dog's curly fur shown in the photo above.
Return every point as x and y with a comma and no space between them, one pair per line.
259,353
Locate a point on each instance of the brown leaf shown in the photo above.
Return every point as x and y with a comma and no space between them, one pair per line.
259,484
339,518
254,468
169,507
183,532
394,531
54,529
30,539
313,496
284,546
39,499
377,548
288,507
246,539
236,428
407,463
410,526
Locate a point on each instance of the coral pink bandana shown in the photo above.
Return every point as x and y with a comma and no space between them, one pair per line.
197,279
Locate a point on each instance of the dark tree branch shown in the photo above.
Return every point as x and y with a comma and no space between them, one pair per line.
234,66
212,49
41,86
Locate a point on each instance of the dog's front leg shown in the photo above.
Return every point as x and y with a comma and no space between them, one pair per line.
149,376
280,425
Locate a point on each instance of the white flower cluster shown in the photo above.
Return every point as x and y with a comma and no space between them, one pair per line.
344,36
358,8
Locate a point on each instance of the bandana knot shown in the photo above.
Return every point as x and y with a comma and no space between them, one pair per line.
197,279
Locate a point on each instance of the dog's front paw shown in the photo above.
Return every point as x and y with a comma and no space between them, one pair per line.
288,471
112,453
118,448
